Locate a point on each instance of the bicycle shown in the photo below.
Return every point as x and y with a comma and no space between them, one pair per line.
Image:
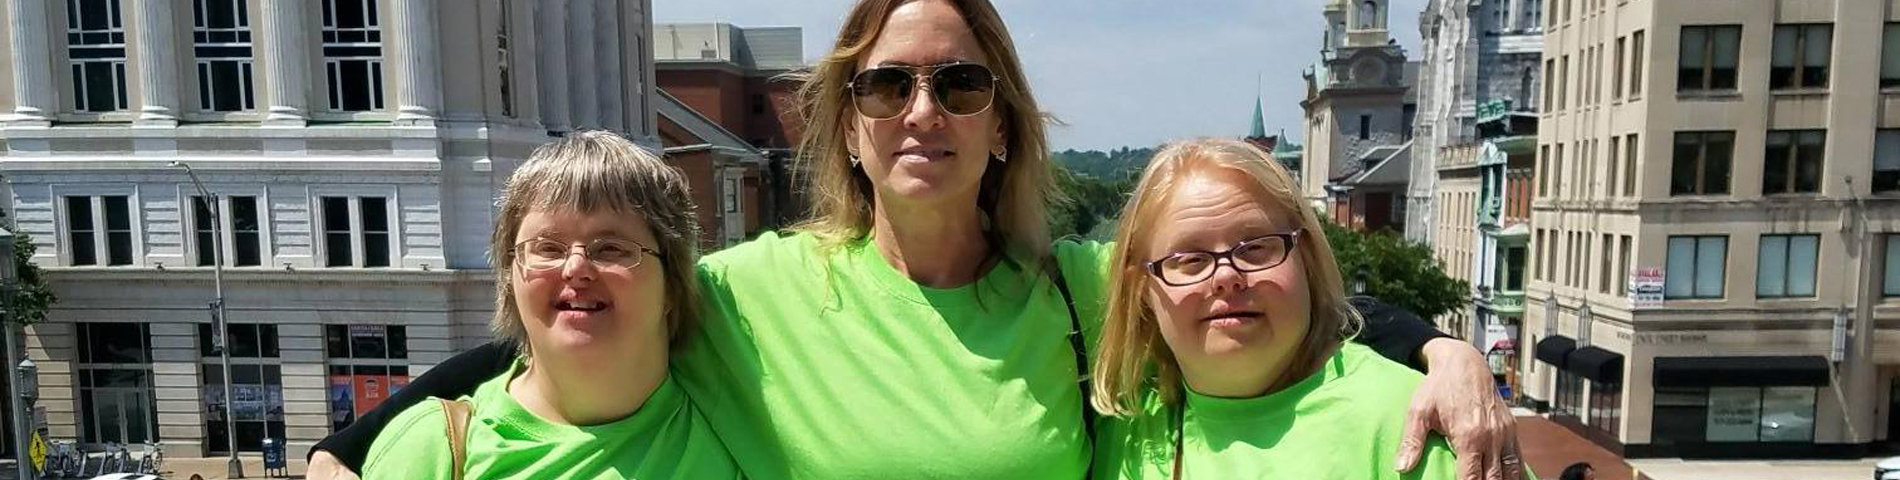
152,459
115,459
66,459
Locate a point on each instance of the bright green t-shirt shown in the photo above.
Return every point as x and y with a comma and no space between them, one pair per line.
1343,422
815,365
665,439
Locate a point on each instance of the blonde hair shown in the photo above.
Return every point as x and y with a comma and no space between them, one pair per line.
1014,195
1132,353
600,172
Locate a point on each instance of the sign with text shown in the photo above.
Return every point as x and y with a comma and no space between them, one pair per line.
1646,287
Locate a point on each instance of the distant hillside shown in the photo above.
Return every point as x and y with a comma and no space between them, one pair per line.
1111,165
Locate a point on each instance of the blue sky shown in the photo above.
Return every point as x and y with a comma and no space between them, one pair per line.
1123,72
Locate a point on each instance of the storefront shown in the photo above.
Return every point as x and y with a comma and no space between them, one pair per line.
1735,406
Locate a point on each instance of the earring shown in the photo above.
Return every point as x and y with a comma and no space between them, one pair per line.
1001,156
854,161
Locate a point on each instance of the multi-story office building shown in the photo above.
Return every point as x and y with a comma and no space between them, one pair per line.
354,148
1472,144
1716,225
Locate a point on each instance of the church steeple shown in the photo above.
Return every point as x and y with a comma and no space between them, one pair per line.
1259,129
1365,22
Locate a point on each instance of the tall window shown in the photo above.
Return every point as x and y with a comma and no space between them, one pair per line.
221,36
1623,267
1550,72
242,222
1609,179
115,383
1887,161
95,38
356,231
1629,166
1890,56
353,55
1801,56
1636,64
367,365
1696,266
1514,269
1606,407
1365,127
1708,58
1891,283
1701,163
1792,163
504,60
87,233
1787,266
1616,71
1603,270
257,385
1563,82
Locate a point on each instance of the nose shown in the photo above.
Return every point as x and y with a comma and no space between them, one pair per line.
924,113
578,268
1227,279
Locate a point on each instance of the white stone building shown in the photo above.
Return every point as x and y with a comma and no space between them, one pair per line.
355,146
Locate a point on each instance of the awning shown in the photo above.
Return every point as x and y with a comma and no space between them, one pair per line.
1596,364
1760,371
1554,349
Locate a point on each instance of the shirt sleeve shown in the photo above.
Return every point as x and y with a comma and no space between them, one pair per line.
453,378
1393,332
414,446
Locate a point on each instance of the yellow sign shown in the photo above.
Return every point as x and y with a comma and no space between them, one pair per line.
37,452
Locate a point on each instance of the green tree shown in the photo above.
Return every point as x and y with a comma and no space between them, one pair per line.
1396,271
30,298
1090,205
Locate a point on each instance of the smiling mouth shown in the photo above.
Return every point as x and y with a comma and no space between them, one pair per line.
588,306
926,154
1232,319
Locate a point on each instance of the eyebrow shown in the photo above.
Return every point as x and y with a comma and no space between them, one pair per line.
897,63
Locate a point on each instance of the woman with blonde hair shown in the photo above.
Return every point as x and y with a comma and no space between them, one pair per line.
921,324
1224,352
594,281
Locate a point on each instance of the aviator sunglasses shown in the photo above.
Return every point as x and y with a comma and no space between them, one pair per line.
960,89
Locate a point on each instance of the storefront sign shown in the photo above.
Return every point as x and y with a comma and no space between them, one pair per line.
1734,414
1666,338
1493,110
1646,287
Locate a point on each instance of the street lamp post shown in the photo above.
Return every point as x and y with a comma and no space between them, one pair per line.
22,405
218,322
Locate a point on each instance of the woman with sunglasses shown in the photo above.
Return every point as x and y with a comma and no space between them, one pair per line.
1224,349
916,325
594,282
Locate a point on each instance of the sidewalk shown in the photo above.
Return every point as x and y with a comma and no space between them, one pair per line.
1549,447
1679,469
206,468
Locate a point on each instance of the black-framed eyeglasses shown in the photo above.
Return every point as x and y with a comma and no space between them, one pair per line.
1187,268
542,254
960,89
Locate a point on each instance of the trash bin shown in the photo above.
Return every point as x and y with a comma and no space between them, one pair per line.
274,465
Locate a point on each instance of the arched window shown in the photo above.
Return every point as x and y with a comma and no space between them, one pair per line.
1368,14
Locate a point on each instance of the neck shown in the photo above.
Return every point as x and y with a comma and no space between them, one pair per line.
583,392
935,247
1242,377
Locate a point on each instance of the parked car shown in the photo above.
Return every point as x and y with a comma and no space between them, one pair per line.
1888,469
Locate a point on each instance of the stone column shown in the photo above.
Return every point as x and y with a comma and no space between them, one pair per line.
286,42
613,61
33,102
550,48
583,84
418,56
157,50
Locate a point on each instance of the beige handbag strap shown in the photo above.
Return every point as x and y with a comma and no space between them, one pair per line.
457,413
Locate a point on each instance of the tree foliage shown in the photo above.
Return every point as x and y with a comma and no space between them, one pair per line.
1396,271
30,297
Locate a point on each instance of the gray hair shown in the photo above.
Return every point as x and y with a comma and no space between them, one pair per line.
593,172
